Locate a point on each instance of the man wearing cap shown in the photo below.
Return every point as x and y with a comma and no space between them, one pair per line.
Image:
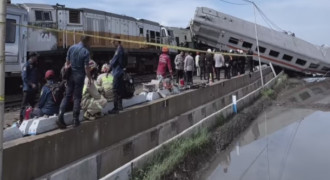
78,60
30,83
164,63
47,105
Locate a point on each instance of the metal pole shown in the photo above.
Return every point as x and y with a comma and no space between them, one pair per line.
3,5
255,27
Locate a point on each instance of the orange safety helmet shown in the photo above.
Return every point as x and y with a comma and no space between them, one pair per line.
164,49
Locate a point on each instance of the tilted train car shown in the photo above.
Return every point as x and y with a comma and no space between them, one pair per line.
223,31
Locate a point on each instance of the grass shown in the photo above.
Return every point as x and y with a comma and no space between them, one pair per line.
171,156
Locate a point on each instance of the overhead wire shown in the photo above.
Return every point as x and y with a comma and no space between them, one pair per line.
233,3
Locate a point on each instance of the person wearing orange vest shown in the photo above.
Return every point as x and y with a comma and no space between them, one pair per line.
164,63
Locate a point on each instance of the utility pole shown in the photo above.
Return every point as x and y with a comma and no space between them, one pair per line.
3,6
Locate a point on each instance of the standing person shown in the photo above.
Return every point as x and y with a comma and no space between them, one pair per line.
209,62
198,68
219,60
49,101
202,66
105,82
179,63
234,64
78,60
250,59
227,66
189,68
117,65
242,61
164,63
30,83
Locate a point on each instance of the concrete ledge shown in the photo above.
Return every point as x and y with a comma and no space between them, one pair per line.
28,158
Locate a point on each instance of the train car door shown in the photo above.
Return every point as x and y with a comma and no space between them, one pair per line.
12,43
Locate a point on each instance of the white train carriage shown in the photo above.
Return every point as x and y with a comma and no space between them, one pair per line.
223,31
15,47
41,15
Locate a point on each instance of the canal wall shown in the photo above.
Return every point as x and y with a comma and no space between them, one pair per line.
98,147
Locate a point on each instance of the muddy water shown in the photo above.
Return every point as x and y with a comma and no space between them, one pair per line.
290,140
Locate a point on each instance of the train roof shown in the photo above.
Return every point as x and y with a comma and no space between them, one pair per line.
108,14
37,6
149,22
267,35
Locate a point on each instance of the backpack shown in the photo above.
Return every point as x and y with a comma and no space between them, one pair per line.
128,86
57,90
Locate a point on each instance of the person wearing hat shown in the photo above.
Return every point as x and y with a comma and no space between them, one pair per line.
30,83
105,82
47,105
77,59
92,101
164,63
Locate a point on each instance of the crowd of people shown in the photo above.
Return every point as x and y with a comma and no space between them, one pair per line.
208,66
82,87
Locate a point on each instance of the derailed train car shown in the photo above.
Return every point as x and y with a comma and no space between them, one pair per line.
223,31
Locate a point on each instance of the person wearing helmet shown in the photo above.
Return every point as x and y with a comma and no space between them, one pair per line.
164,63
48,104
104,81
92,101
77,60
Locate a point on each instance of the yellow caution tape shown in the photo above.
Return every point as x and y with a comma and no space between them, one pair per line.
125,40
2,98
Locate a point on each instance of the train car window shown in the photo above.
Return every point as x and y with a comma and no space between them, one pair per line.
233,40
47,16
152,36
314,66
163,33
74,17
141,31
11,31
301,62
273,53
38,15
261,49
287,57
158,37
43,15
247,44
326,68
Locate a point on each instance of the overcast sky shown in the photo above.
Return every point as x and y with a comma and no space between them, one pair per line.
306,18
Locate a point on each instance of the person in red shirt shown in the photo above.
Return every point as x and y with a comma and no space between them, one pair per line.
164,63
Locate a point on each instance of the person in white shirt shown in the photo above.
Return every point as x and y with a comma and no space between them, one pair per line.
189,66
219,61
198,68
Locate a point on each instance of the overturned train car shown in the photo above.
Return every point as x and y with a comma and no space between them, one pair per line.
223,31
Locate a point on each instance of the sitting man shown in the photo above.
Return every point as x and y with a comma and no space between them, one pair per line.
49,100
104,81
92,101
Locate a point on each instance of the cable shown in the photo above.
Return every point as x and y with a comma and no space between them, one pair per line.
233,3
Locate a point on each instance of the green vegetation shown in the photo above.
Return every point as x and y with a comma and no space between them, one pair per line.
171,156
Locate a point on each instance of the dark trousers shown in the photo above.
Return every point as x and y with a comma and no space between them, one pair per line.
209,70
179,75
74,88
117,90
189,75
227,72
217,73
202,75
234,69
251,65
242,68
28,100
